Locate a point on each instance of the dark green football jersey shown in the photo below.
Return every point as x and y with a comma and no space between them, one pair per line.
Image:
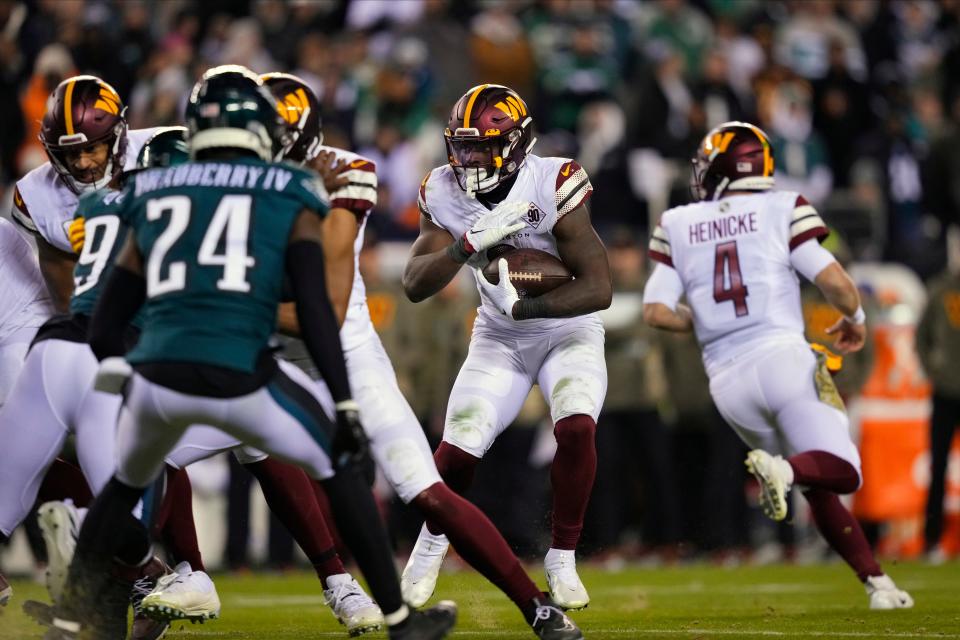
105,234
213,236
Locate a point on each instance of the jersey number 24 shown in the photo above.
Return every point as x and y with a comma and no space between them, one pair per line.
231,219
727,279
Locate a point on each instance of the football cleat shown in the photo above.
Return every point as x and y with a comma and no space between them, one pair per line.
884,594
775,476
6,591
145,627
60,524
429,624
566,589
183,594
419,578
351,605
551,623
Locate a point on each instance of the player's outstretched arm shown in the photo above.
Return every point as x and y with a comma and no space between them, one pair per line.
318,324
56,266
431,266
841,292
340,229
660,316
122,296
582,251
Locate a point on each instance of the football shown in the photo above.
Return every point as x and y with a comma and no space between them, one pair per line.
532,272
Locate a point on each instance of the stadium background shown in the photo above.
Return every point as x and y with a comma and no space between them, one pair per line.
861,98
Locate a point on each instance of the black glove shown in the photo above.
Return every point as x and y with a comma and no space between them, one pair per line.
350,445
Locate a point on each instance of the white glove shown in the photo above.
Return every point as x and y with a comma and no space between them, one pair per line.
112,375
504,294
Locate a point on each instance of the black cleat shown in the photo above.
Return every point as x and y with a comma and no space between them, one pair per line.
551,623
434,623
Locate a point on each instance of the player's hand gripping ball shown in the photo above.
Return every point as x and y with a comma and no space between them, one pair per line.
531,271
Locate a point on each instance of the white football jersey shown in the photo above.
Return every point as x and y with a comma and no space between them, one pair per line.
43,204
553,186
733,258
358,196
23,294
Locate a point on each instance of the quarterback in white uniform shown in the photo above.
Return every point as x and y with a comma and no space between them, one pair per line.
493,191
736,255
397,441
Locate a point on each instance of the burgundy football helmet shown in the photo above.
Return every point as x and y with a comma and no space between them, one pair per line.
83,111
299,107
735,156
488,137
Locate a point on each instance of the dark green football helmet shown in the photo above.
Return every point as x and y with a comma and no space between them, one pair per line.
230,108
165,148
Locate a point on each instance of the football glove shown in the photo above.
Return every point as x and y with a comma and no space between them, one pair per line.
77,234
492,227
350,445
503,294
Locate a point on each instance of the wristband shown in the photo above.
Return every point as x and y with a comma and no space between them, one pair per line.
458,251
858,317
527,308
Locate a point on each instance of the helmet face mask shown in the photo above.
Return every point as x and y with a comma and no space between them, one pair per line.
85,112
488,137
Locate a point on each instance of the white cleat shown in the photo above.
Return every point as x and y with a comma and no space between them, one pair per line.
775,476
884,594
419,578
60,525
566,589
351,605
182,595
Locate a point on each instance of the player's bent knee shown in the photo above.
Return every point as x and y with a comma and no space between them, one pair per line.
471,425
574,395
456,466
576,430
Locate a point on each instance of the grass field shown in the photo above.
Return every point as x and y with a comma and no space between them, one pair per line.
685,602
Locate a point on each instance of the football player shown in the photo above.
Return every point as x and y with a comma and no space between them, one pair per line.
736,254
84,132
55,396
494,191
397,441
210,274
24,306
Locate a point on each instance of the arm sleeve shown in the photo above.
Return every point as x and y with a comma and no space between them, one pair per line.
805,224
664,286
359,195
422,197
123,295
659,248
573,188
318,324
809,259
20,215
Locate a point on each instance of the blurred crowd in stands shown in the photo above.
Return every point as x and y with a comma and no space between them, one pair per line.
861,99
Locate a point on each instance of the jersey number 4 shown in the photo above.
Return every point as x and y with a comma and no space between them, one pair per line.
230,226
726,270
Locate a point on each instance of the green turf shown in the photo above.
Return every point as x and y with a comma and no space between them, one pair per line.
685,602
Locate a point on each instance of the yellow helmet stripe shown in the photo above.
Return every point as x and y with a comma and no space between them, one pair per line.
68,107
473,98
